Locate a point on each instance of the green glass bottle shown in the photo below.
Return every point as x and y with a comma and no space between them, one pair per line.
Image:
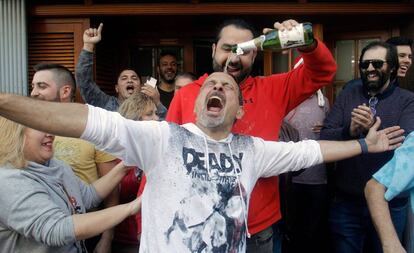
275,40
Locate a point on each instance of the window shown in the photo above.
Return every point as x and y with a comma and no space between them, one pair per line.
145,59
346,53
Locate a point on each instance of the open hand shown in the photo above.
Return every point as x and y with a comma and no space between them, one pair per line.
384,140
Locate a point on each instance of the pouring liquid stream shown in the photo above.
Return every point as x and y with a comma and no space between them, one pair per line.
229,59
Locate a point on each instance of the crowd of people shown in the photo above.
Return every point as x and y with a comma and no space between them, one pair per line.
193,164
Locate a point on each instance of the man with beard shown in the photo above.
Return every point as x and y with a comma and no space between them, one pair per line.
352,115
167,71
53,82
393,178
266,101
194,158
128,80
404,50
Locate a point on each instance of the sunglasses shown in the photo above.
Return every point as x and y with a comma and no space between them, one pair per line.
377,64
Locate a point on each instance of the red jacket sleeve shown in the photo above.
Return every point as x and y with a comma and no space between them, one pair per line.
181,110
318,70
289,89
174,111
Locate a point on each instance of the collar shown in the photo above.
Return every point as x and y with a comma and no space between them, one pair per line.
386,93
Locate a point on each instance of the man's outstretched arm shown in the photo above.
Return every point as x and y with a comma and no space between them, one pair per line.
304,154
381,217
64,119
375,142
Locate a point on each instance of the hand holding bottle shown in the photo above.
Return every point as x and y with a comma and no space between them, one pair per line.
288,34
285,25
289,25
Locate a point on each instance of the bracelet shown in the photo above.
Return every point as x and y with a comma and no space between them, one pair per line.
364,146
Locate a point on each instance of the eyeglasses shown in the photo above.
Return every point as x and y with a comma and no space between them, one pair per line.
372,103
377,64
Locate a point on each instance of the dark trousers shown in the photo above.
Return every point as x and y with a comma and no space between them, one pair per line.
309,218
351,227
261,242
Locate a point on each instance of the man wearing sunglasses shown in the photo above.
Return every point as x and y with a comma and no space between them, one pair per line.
404,49
394,178
352,114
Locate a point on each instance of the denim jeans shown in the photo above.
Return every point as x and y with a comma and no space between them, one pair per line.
261,242
351,227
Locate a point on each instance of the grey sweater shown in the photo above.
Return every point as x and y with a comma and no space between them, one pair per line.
35,211
90,91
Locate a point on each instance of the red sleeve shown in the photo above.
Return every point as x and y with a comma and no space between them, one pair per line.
181,110
174,111
129,187
317,70
290,89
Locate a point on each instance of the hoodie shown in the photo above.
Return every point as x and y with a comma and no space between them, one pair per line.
35,212
198,189
266,102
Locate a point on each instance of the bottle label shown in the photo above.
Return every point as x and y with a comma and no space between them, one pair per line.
292,38
245,47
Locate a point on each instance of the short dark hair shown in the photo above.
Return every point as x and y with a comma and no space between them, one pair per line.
238,23
165,53
61,75
131,69
189,75
400,41
391,57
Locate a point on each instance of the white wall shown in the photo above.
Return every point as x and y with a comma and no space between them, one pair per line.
13,47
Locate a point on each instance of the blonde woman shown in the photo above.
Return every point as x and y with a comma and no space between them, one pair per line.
137,107
43,203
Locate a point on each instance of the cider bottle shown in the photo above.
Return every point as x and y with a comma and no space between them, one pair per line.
275,40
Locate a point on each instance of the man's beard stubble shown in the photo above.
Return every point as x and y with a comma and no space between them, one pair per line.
168,80
375,86
243,72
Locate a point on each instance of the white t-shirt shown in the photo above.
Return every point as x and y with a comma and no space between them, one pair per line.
190,205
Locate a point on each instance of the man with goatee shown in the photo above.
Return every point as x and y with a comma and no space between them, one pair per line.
167,70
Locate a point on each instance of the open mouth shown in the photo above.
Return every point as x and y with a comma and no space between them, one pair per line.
130,89
48,145
372,75
215,104
403,68
169,74
233,68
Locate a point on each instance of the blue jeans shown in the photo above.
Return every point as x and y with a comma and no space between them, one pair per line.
351,227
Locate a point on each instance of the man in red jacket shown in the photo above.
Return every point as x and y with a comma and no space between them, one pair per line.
266,102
